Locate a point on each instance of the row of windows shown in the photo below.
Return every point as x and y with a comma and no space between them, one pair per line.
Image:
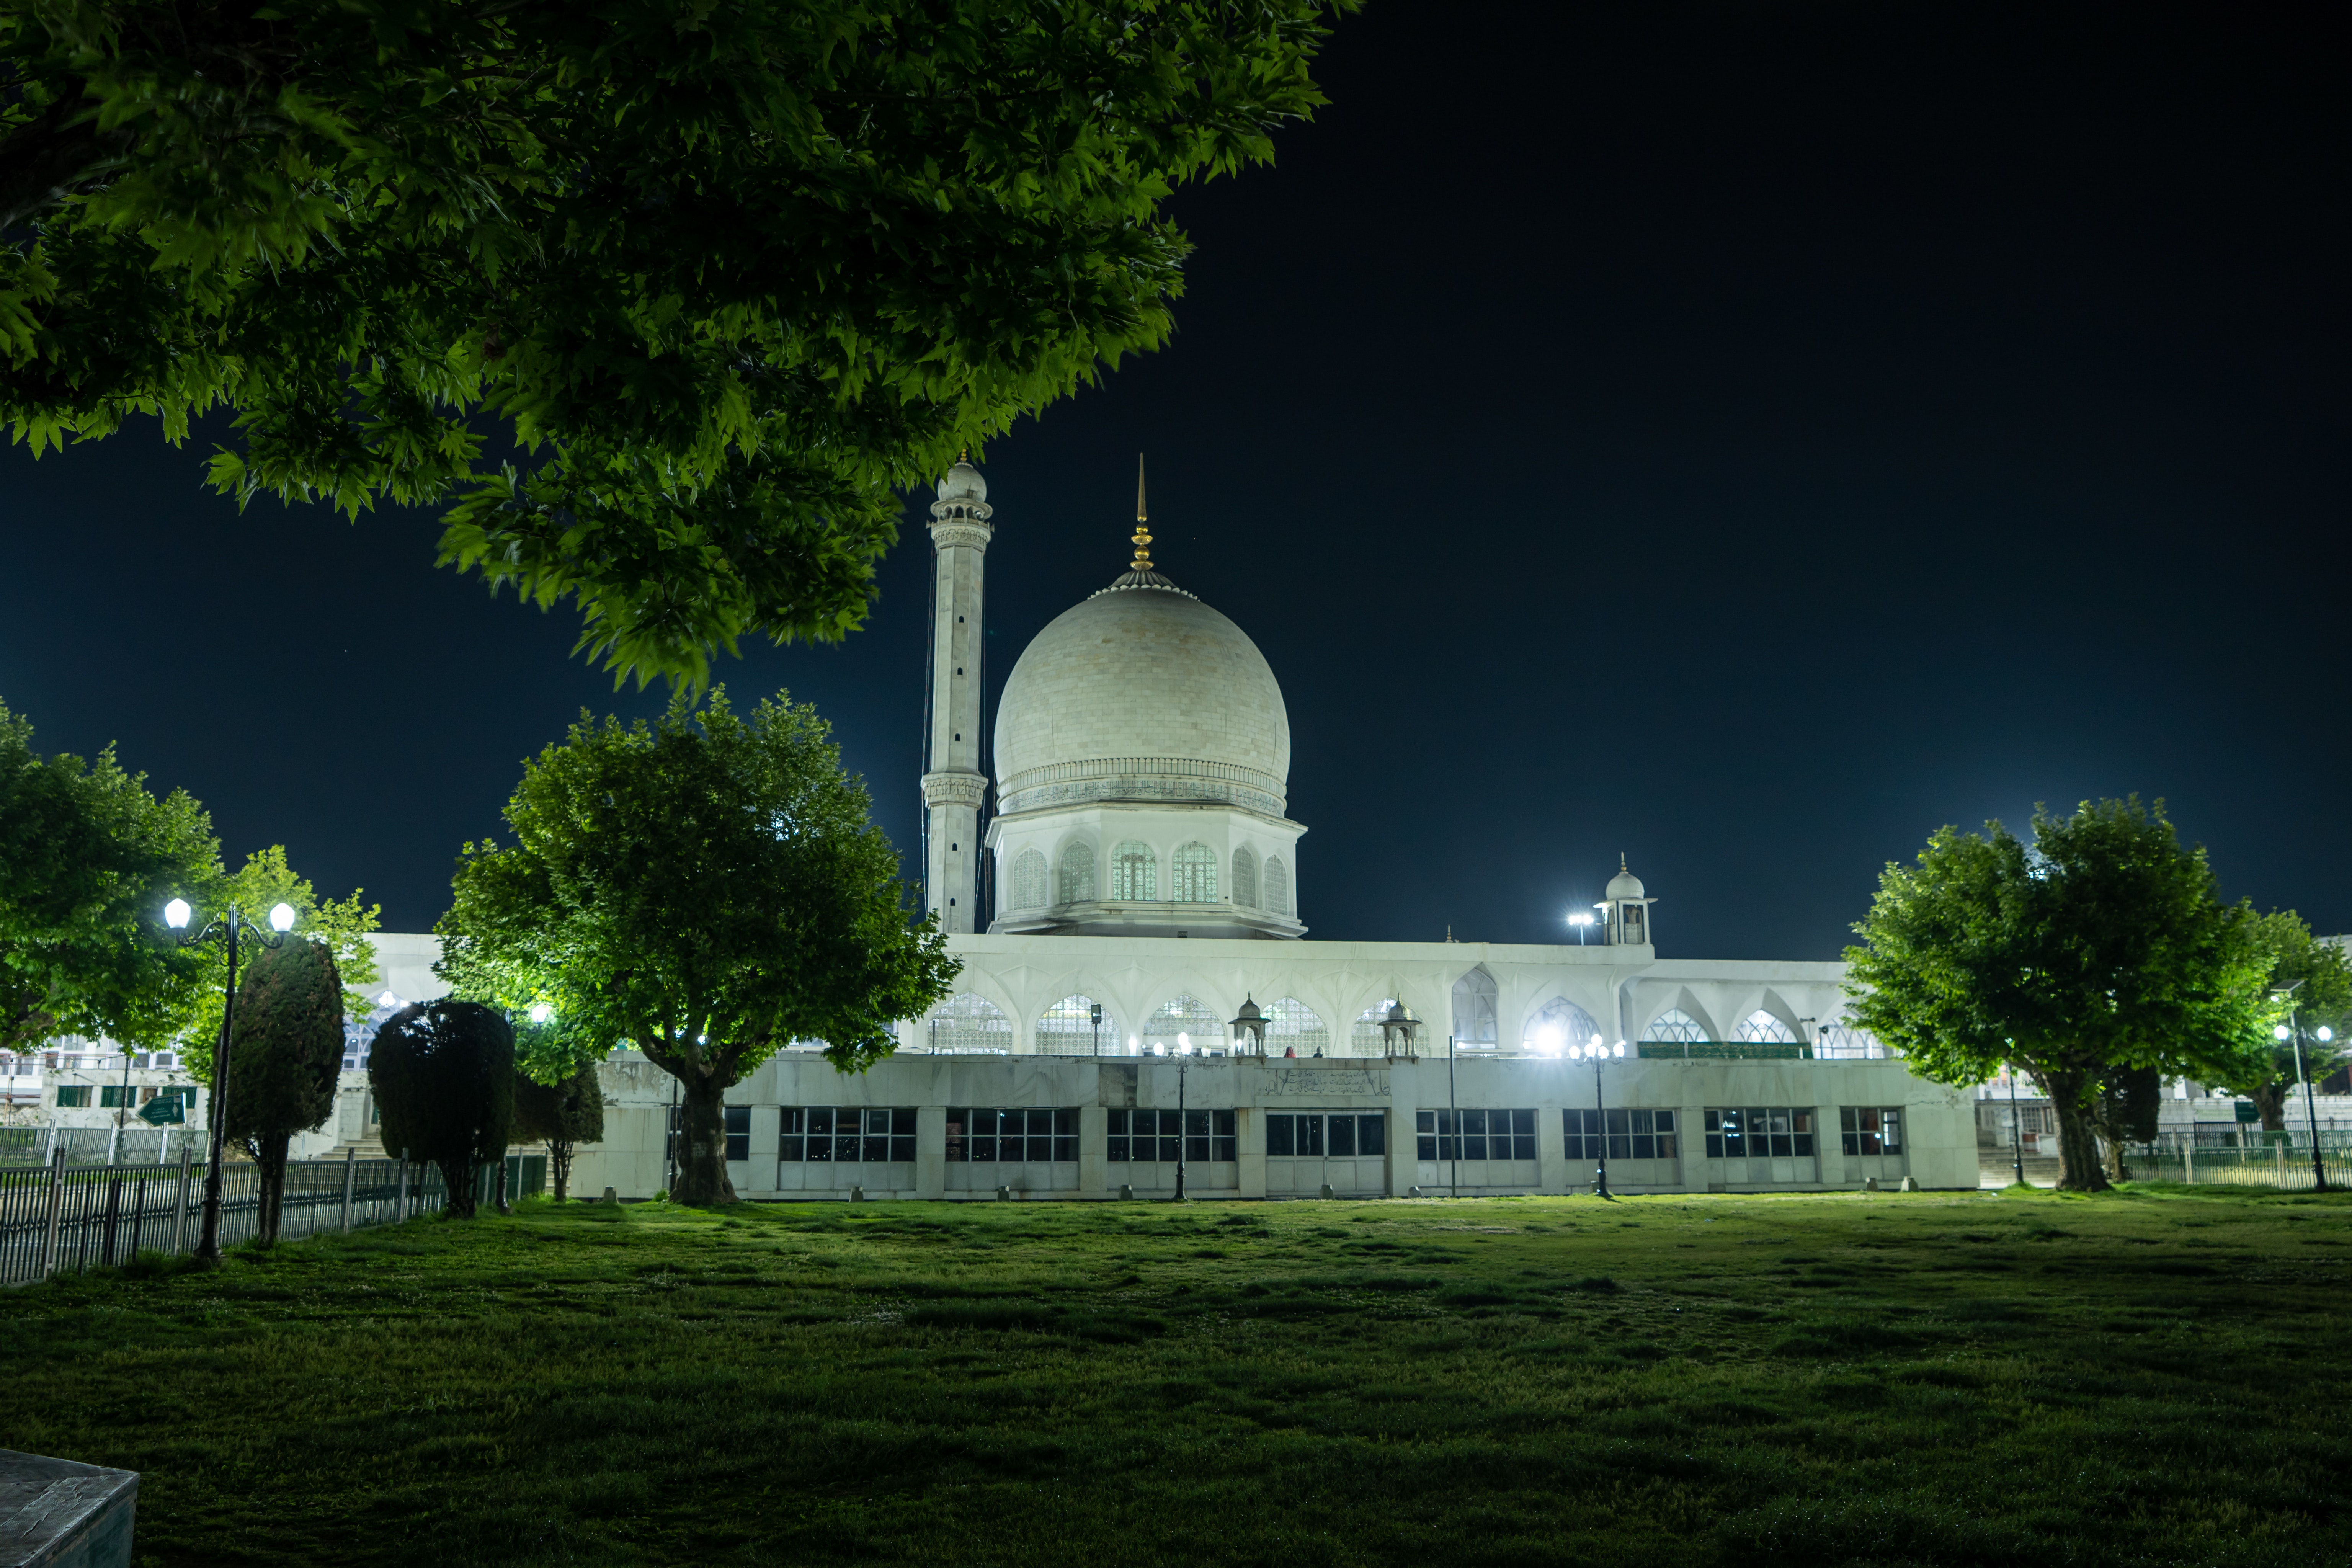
1001,1135
1475,1134
1135,877
1148,1137
1758,1132
1320,1135
112,1096
981,1136
1631,1134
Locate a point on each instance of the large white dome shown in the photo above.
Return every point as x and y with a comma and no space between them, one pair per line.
1142,693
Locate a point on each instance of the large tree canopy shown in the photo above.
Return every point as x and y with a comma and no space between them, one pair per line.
706,887
88,858
2313,978
727,273
2098,951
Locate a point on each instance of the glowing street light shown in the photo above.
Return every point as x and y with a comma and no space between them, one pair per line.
1599,1053
540,1012
227,930
2282,1033
1583,920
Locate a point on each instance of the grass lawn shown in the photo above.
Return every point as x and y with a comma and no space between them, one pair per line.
2159,1378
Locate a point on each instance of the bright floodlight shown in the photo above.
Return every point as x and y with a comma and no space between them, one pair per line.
282,918
2280,1031
387,1000
2325,1034
176,913
1549,1039
540,1012
1580,918
1618,1049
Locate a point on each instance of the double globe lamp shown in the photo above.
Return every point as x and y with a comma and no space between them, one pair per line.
226,931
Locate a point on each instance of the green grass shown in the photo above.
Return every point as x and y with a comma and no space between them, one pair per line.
2154,1378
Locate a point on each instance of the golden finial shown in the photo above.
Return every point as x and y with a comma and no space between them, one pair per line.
1142,539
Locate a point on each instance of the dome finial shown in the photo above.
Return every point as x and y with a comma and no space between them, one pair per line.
1142,539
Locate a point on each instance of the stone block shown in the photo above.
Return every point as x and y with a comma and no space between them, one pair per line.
54,1513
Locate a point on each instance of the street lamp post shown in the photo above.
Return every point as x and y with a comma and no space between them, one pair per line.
1600,1054
1583,920
2310,1107
226,929
2016,1136
1184,1129
1097,1015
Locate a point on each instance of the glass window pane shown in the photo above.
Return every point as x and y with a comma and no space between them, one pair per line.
1116,1150
1220,1123
1372,1135
901,1149
1473,1122
1311,1137
1066,1146
1473,1145
1523,1148
1425,1146
845,1146
1665,1120
1168,1155
983,1150
821,1121
878,1149
1621,1122
1221,1148
1342,1134
1117,1128
788,1150
1425,1121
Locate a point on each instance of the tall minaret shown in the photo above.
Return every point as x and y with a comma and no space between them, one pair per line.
954,787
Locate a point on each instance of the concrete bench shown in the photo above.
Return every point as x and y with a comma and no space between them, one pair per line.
54,1513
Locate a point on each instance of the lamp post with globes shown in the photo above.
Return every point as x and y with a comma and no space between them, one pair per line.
1600,1053
225,929
2282,1033
1583,920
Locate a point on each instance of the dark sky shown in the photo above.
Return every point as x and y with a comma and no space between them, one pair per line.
1742,435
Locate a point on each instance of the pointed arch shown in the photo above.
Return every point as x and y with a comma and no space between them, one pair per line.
1292,1025
1676,1026
1078,879
1029,880
1183,1015
1761,1028
1134,872
1364,1036
1277,886
1245,878
1475,999
1068,1028
1192,874
1560,1025
968,1024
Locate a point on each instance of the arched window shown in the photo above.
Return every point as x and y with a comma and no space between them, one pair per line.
1192,874
1078,874
1182,1018
1029,880
1245,878
1134,873
967,1024
1292,1025
1675,1025
1474,1009
1761,1028
1841,1039
1277,886
1364,1038
1561,1026
1068,1028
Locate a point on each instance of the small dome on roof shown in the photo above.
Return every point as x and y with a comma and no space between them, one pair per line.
963,483
1624,884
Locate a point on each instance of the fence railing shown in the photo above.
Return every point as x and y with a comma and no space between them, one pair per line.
2280,1166
137,1144
64,1218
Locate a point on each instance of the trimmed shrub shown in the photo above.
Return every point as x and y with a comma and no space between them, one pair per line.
444,1077
285,1047
563,1115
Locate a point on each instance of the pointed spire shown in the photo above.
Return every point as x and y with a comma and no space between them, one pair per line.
1142,539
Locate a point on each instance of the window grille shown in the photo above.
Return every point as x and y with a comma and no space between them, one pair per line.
1186,1016
72,1098
1152,1137
1760,1132
1277,886
1761,1028
1676,1026
1134,873
1320,1135
1068,1028
966,1023
1245,877
1192,874
112,1096
980,1135
1475,1134
1871,1129
1474,1009
1633,1134
842,1133
1029,880
1843,1040
1561,1026
1078,874
1292,1026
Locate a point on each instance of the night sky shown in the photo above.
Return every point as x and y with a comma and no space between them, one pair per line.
1745,436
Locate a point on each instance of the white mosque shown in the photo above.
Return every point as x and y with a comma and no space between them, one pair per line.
1139,991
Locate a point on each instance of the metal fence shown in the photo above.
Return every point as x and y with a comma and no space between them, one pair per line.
2280,1166
66,1219
137,1144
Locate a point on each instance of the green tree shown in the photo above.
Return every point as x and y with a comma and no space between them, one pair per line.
88,858
2100,950
706,887
727,274
563,1115
262,884
443,1073
2314,985
285,1051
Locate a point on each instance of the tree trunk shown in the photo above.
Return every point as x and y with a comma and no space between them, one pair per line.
499,1183
702,1143
2079,1168
458,1175
559,1157
270,1154
2270,1099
